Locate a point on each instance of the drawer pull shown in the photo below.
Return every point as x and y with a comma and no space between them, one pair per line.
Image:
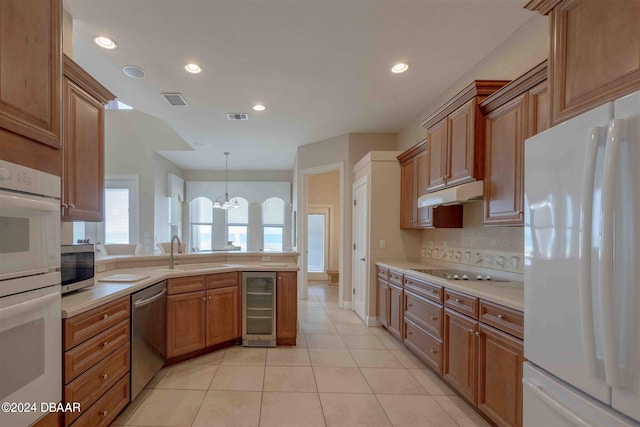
409,305
471,331
104,316
434,318
501,317
104,376
477,334
433,291
104,344
409,333
104,413
459,301
434,351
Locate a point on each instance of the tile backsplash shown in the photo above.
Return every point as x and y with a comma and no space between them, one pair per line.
497,260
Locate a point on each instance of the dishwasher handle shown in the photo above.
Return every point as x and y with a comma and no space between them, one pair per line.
142,302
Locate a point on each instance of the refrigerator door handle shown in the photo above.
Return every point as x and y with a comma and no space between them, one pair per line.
554,404
597,137
607,212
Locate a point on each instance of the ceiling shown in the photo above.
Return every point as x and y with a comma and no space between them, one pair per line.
322,67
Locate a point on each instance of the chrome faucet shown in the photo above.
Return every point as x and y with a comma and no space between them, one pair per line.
179,250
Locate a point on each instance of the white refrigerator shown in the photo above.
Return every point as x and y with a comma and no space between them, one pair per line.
582,270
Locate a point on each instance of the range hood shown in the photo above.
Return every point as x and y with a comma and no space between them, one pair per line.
463,193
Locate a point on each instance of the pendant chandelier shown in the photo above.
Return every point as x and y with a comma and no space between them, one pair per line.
226,202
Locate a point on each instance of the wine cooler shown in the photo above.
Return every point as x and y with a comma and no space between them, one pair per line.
259,309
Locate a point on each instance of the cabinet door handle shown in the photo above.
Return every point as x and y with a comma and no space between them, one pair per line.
501,317
209,296
104,376
72,206
104,344
459,301
409,305
434,351
477,334
104,316
409,333
434,318
104,413
471,331
433,291
64,205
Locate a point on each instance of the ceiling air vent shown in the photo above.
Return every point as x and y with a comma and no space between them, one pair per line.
237,116
176,99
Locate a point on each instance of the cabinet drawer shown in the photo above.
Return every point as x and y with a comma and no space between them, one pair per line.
422,288
222,280
87,354
424,313
506,319
395,277
383,273
88,387
186,284
80,328
426,346
107,408
462,303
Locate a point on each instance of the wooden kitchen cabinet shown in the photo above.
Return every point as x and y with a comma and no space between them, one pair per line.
83,147
595,53
223,315
500,376
30,87
96,363
396,310
414,172
455,135
382,303
460,367
512,114
286,308
186,323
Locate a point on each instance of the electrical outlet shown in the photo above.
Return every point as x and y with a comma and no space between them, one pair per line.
383,243
100,268
266,258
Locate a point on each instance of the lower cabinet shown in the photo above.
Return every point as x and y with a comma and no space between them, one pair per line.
396,310
186,323
200,319
499,377
474,344
382,306
286,308
461,357
97,363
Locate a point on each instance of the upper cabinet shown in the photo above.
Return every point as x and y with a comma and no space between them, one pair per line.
595,53
455,137
30,82
512,114
83,150
414,171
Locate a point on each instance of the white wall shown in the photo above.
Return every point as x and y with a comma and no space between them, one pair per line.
132,139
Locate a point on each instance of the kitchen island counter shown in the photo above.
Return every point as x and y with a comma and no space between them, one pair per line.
105,291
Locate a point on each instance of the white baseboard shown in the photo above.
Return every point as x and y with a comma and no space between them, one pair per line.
372,321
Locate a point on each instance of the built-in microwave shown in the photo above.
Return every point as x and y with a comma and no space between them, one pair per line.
77,266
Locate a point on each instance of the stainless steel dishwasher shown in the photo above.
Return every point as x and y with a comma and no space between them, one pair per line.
148,334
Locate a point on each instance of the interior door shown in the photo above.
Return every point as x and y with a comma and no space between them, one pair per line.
360,261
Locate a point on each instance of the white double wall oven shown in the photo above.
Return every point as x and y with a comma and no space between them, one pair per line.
30,323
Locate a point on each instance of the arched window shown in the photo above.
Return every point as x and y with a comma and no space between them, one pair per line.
201,224
238,223
272,224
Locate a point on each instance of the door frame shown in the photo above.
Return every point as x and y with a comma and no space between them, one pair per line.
364,286
302,229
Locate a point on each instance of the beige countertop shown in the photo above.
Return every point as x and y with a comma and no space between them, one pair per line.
509,294
103,292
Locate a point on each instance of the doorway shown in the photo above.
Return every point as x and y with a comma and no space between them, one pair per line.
318,242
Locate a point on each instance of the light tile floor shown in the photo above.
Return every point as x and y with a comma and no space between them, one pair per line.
340,373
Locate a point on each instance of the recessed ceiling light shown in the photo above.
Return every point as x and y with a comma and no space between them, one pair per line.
193,68
259,107
105,42
400,68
